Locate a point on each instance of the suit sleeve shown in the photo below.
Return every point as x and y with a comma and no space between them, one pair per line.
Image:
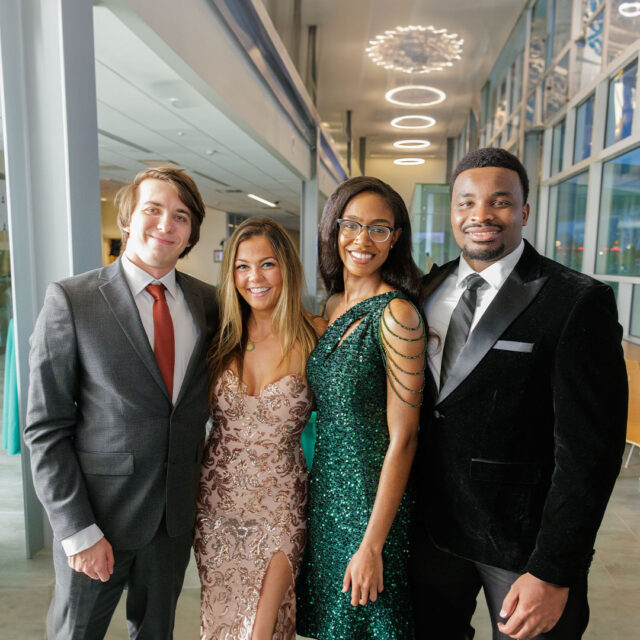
590,395
52,415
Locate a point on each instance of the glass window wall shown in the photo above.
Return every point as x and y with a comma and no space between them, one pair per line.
619,224
538,44
624,27
584,130
557,88
589,9
567,210
432,238
561,25
557,147
622,103
588,54
635,312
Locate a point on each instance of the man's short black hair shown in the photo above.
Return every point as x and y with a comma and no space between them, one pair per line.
492,157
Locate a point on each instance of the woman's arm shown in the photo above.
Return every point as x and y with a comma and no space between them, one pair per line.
403,340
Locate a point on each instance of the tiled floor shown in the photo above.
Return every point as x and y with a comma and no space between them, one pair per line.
26,585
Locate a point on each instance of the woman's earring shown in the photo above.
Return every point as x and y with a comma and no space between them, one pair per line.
391,247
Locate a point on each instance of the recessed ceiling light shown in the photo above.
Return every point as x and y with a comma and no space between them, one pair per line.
417,101
259,199
409,161
629,9
411,144
103,199
405,122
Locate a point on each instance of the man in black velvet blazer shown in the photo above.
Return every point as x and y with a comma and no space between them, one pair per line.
522,444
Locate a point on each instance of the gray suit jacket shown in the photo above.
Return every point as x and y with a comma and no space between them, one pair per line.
107,445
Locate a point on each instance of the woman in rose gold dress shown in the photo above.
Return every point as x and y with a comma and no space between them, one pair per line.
251,519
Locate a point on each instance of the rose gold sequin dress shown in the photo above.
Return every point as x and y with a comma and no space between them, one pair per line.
252,503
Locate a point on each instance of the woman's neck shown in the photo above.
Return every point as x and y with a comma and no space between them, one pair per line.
260,323
356,289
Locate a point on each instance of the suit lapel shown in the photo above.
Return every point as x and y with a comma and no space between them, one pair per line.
118,296
516,294
196,306
430,283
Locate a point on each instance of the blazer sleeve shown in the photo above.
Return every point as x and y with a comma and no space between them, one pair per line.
52,415
589,386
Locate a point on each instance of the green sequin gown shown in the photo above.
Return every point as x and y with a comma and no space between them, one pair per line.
349,383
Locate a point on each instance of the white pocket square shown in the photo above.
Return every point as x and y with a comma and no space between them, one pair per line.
512,345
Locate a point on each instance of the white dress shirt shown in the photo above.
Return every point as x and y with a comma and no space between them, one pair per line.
185,332
440,305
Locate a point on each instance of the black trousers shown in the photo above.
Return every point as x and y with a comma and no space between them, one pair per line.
82,608
445,588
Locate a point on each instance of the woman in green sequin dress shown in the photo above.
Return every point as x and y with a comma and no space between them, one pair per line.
367,374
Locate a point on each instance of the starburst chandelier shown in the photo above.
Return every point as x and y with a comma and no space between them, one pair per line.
415,49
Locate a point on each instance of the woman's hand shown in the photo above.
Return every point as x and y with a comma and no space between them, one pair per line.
364,576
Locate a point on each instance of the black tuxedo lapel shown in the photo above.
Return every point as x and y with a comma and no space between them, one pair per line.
519,290
430,283
118,296
196,306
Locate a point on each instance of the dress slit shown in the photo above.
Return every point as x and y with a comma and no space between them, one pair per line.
284,629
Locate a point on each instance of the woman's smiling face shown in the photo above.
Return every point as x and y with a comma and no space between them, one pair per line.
362,256
257,273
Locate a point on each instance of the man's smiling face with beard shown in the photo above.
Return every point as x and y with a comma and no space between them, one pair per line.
487,214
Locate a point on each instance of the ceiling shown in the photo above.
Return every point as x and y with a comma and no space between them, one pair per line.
140,126
348,79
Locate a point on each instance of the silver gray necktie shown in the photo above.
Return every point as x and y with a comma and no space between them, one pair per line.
459,326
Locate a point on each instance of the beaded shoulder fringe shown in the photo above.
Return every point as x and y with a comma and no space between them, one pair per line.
390,363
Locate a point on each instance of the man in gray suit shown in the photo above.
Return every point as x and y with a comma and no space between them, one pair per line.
116,415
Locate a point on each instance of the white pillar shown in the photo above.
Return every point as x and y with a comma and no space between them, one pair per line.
51,160
309,216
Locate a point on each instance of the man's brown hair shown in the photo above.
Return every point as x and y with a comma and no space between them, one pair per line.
127,198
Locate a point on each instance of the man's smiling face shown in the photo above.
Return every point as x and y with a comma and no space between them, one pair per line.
487,214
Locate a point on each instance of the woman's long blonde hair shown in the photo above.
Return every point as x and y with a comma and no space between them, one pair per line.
290,320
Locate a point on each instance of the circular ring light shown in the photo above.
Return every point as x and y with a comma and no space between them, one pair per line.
411,144
409,161
629,9
427,120
440,96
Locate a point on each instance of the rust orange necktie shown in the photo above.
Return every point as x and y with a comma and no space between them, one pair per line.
163,343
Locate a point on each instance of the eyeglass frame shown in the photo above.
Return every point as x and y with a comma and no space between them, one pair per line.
367,227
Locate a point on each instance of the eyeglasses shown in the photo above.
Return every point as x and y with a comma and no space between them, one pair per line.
352,229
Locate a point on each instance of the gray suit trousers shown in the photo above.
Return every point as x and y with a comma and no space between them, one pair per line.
81,608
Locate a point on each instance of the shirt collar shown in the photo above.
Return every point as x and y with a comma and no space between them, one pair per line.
138,278
495,274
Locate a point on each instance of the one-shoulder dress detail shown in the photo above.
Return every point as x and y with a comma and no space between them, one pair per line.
348,378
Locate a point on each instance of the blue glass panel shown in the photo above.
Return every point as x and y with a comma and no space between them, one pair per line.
622,103
584,130
635,312
567,210
619,225
557,148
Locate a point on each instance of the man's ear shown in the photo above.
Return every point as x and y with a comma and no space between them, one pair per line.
525,214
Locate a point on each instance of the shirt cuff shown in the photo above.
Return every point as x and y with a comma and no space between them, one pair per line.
82,540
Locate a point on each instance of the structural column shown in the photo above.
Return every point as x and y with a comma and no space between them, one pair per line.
51,160
309,211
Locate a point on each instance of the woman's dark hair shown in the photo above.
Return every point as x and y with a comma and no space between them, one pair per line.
399,269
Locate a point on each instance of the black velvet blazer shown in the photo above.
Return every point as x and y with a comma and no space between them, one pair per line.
520,450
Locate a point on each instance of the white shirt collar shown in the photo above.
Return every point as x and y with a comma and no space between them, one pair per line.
138,278
495,274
